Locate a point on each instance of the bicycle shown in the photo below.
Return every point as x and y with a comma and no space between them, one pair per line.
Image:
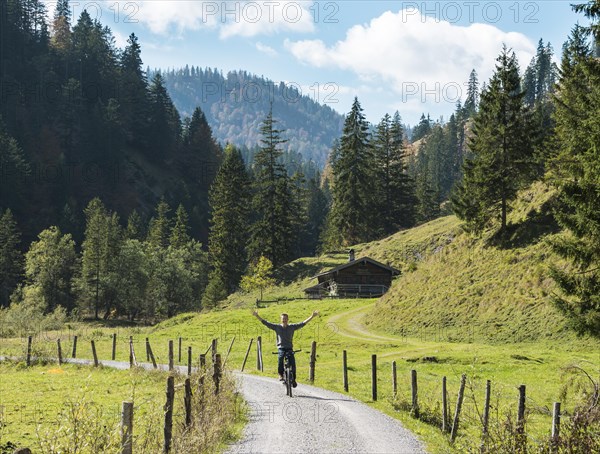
288,373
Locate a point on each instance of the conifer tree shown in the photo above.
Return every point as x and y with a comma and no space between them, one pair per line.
94,254
201,155
395,190
61,27
165,123
472,100
422,129
15,170
179,234
135,228
351,212
318,206
272,232
502,149
133,94
160,226
229,203
577,177
11,259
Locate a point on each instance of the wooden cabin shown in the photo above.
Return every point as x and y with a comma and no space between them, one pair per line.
363,277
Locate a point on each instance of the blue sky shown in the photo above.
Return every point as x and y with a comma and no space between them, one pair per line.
412,56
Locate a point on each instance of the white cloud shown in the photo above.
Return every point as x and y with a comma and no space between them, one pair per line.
252,18
266,49
162,16
412,52
232,18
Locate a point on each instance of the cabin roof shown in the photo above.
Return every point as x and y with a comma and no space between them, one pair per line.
392,270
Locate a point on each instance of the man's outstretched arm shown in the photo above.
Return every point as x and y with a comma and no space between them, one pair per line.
314,314
262,320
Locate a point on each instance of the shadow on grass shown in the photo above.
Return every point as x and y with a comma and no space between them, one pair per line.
537,225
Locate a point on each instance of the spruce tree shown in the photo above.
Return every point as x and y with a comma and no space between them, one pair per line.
180,233
229,222
318,206
159,228
272,232
502,149
351,214
201,155
11,259
395,191
15,170
577,176
61,27
135,228
422,129
164,120
94,254
134,107
472,100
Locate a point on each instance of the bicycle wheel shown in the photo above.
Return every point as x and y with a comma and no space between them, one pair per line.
289,379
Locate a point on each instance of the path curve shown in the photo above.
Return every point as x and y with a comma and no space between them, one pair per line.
355,329
315,421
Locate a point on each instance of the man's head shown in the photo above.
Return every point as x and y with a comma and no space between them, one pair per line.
284,319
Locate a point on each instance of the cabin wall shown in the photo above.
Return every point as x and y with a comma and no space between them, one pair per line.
360,274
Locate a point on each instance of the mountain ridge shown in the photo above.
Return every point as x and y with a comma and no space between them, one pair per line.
235,105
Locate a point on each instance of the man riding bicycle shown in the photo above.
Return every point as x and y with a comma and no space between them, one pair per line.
285,335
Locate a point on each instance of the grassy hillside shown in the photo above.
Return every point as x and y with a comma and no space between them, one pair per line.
476,286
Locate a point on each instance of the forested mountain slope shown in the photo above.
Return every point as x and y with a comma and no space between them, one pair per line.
236,103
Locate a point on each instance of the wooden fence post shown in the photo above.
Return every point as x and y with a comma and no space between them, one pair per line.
171,355
132,360
168,428
213,347
189,371
394,379
247,353
148,349
520,436
459,401
259,359
313,361
187,399
179,351
28,358
555,426
94,353
59,350
114,347
444,406
345,366
151,354
74,352
228,351
127,428
202,372
414,409
374,377
217,372
486,413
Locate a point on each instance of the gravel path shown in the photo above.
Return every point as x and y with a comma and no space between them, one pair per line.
315,421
